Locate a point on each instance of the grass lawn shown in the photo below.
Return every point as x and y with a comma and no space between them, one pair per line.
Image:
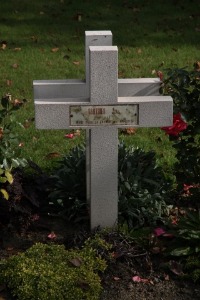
45,40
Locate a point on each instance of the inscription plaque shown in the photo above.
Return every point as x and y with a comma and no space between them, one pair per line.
103,115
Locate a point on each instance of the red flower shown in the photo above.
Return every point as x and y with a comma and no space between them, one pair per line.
178,126
159,231
186,187
69,136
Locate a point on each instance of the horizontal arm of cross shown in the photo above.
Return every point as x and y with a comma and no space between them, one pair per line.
75,88
152,111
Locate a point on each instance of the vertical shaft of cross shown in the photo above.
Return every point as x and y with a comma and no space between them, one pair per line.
92,38
103,142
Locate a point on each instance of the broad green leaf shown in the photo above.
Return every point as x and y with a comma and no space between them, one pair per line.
181,251
5,164
5,194
15,163
3,179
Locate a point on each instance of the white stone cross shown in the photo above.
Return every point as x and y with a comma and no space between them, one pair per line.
101,104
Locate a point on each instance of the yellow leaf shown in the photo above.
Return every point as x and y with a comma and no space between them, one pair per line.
9,176
5,194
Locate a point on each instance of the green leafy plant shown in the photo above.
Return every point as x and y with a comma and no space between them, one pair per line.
184,87
9,143
192,267
18,199
187,236
142,186
69,185
50,272
28,196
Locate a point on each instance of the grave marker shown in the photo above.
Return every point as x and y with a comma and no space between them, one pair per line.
101,104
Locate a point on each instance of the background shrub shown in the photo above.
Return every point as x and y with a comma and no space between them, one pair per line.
184,87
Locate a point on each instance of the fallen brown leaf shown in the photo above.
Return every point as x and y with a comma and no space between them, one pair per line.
17,49
34,38
116,278
129,130
156,250
3,46
17,102
77,132
15,66
8,82
54,49
139,51
76,262
52,155
197,66
77,63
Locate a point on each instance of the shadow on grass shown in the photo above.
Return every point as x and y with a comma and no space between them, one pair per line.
133,23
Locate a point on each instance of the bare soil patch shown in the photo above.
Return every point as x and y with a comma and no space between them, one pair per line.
117,281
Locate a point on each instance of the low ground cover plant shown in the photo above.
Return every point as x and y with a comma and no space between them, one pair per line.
50,272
